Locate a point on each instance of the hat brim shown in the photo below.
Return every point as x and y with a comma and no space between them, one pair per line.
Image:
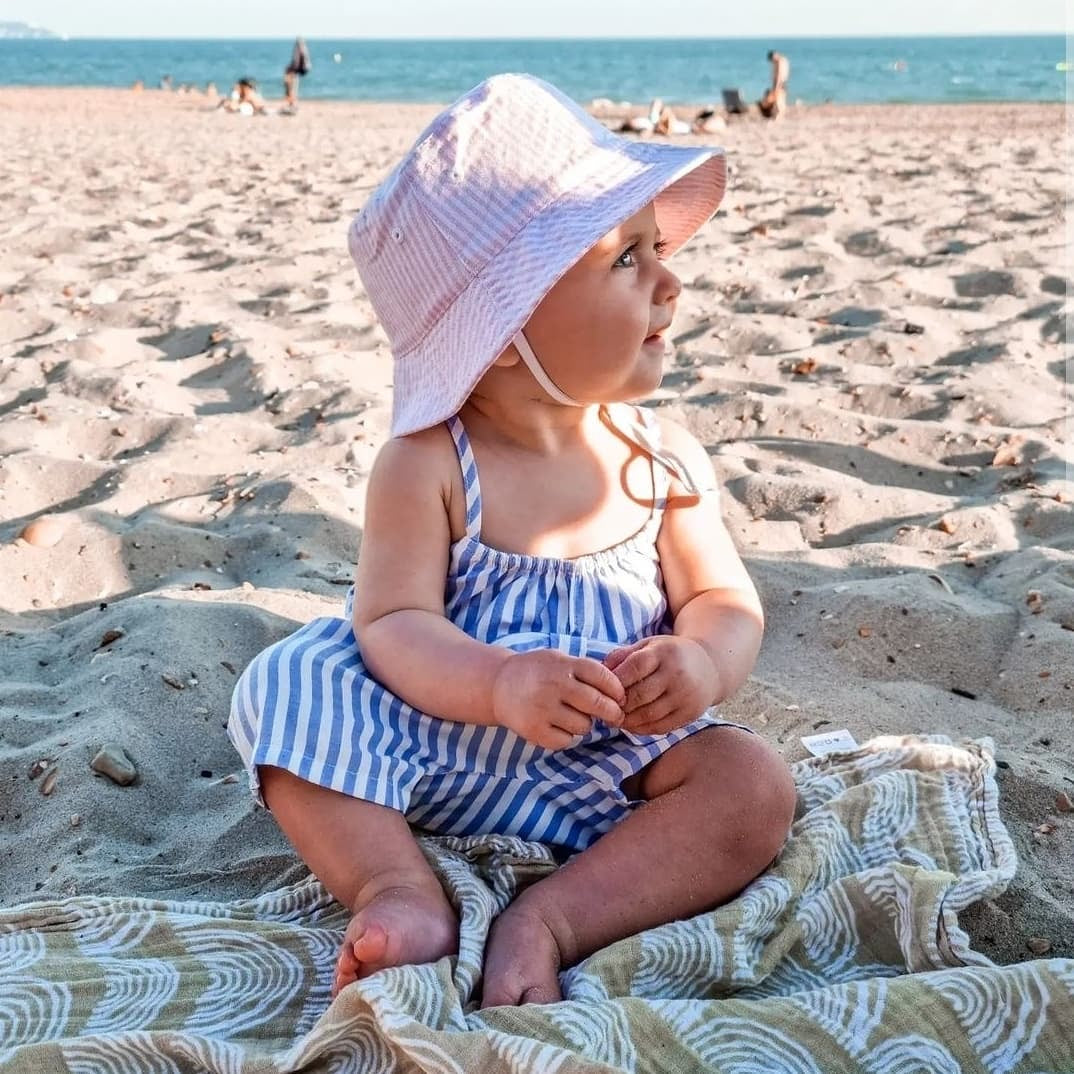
686,183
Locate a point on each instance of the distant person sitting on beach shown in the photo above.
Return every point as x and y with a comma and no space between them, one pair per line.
773,104
708,121
661,119
298,68
644,124
244,99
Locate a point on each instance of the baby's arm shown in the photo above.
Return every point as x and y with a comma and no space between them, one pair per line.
409,644
717,616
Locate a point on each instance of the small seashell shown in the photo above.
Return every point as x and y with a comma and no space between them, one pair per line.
173,682
76,819
942,583
1008,453
1064,803
108,637
40,765
1039,945
103,295
44,532
49,782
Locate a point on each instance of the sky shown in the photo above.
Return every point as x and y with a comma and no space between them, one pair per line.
537,18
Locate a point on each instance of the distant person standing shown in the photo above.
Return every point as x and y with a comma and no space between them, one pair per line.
298,68
774,103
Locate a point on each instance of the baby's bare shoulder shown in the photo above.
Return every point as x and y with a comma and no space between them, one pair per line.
682,445
417,461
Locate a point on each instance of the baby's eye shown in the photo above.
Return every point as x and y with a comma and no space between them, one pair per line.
622,262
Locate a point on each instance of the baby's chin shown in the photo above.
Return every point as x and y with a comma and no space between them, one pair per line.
638,389
649,374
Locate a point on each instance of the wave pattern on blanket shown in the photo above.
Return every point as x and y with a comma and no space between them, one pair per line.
832,962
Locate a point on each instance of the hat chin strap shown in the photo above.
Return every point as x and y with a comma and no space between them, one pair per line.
637,430
522,345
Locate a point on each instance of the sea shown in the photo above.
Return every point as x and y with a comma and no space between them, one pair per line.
844,69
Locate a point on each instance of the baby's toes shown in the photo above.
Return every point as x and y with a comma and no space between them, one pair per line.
341,981
347,967
371,950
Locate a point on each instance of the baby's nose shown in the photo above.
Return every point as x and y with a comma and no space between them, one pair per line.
669,287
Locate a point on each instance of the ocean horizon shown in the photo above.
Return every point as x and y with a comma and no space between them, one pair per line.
850,70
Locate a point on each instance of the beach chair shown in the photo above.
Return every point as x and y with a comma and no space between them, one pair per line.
733,102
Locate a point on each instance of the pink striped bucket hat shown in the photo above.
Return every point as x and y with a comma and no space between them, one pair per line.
501,194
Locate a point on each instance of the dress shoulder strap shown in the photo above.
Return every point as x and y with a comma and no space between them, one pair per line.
470,482
640,424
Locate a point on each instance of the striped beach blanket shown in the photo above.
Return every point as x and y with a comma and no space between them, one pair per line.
846,956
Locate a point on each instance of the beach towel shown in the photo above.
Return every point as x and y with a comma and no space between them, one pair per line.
846,955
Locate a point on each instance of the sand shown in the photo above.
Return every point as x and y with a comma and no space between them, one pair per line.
870,343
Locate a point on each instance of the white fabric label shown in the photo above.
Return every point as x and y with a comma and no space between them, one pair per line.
829,742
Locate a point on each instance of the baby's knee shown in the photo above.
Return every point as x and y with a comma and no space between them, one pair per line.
774,802
758,789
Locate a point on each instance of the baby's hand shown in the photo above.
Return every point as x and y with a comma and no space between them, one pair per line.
550,698
669,681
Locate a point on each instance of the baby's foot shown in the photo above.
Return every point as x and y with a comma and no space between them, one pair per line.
522,960
399,926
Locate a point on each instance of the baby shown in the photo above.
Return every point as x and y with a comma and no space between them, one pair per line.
547,604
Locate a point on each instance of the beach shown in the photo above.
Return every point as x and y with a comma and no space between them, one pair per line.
870,343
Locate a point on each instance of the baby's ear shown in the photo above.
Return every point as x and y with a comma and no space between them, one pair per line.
509,357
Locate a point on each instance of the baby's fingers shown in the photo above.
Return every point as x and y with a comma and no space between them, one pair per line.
651,718
572,721
641,693
640,664
615,658
590,701
595,674
555,738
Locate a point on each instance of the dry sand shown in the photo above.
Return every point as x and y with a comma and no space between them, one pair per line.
870,342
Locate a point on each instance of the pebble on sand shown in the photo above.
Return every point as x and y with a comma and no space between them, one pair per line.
113,762
44,532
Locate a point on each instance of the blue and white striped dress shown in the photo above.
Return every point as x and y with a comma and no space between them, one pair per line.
307,704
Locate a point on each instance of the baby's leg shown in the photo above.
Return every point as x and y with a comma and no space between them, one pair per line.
718,807
366,856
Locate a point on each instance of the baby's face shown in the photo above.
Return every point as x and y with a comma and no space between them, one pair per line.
600,331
